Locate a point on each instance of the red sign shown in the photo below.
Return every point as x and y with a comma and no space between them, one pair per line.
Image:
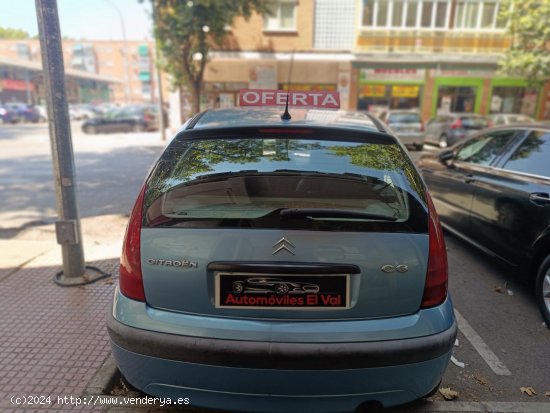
13,84
312,99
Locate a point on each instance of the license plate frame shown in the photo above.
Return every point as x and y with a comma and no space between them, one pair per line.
300,292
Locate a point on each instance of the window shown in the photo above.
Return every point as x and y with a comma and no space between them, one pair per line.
532,155
485,148
477,15
510,99
282,16
246,182
399,14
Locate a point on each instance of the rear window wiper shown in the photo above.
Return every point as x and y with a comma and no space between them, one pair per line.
319,213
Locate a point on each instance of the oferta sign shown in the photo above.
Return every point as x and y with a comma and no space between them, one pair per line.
311,99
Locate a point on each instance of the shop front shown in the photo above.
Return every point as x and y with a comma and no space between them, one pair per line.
457,94
381,89
513,96
225,76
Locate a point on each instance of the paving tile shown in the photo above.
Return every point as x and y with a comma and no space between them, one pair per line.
54,338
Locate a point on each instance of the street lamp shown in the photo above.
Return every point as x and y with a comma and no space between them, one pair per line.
126,61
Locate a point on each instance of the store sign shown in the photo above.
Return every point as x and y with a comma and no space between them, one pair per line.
400,91
13,84
307,87
373,91
392,74
318,99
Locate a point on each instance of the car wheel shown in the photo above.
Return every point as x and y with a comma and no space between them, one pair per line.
542,289
281,288
419,147
443,142
238,287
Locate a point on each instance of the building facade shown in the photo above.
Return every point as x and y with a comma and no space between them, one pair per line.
431,55
97,71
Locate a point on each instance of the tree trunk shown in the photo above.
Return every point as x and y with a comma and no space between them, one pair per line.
195,88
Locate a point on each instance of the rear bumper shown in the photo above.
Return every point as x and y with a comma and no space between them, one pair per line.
280,355
274,375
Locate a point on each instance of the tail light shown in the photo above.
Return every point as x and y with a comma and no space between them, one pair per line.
421,126
435,289
490,123
130,277
457,124
148,118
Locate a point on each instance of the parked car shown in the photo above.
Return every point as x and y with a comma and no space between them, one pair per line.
83,112
326,200
510,118
136,118
493,190
19,112
446,129
407,125
43,113
5,115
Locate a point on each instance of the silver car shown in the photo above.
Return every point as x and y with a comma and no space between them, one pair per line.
408,127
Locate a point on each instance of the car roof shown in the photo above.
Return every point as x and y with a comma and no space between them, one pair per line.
271,116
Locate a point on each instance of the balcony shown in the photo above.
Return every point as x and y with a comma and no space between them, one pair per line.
420,41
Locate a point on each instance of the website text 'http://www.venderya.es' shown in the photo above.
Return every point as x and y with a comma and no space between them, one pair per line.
95,400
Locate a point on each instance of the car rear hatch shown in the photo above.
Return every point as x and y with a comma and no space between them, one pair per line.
405,123
288,226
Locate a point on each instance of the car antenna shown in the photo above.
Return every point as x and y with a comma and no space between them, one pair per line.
286,114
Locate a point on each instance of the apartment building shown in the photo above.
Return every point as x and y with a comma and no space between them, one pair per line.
97,71
432,55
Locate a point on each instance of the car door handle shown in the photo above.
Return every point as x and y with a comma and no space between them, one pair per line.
469,179
539,198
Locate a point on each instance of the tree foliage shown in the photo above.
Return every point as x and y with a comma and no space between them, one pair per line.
529,52
186,31
10,33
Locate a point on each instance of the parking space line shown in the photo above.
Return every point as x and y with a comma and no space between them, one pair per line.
481,347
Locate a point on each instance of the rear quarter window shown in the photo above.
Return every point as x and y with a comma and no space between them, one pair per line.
248,182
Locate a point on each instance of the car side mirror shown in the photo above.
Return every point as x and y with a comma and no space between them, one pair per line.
445,156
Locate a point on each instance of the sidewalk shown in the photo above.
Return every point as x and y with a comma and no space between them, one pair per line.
53,339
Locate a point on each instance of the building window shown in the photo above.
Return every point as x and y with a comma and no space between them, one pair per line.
477,15
406,14
508,99
282,16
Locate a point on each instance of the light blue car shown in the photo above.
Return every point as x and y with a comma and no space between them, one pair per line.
276,265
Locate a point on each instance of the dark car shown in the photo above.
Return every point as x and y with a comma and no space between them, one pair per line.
323,213
19,112
136,118
493,190
447,129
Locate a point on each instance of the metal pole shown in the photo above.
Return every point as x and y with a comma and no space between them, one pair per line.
68,225
162,124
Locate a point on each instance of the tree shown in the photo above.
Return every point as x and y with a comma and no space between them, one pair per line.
528,28
186,31
10,33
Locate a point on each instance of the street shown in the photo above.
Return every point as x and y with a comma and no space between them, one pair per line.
502,340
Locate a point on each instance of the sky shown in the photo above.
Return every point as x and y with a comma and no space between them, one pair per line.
84,19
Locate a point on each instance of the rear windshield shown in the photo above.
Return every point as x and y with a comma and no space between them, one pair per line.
280,182
474,122
404,118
